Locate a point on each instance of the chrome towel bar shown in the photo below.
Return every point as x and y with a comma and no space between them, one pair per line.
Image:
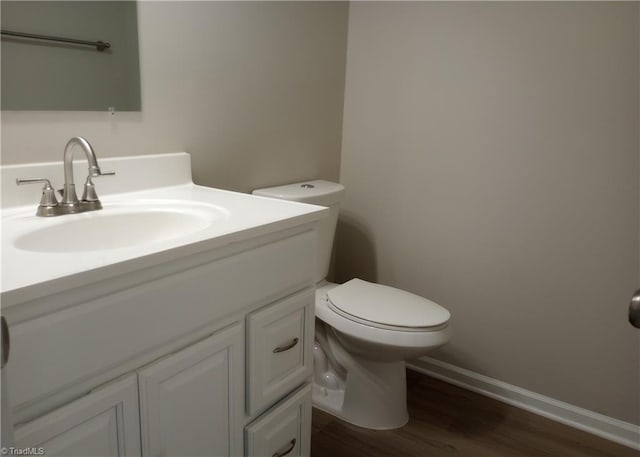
99,45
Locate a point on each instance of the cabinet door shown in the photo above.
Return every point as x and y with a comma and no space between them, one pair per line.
284,430
103,423
192,401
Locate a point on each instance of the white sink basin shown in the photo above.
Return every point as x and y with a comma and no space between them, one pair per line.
149,219
118,226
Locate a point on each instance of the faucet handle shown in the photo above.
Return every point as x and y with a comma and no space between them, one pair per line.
98,173
48,199
89,194
20,181
48,194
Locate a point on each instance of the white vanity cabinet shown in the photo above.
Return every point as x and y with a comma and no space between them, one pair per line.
191,335
202,353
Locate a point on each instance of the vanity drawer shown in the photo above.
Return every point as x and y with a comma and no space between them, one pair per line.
283,431
280,349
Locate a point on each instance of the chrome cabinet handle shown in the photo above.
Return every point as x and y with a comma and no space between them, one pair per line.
286,347
5,342
634,309
289,448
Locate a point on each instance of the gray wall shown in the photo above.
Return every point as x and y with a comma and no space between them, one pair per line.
490,158
254,91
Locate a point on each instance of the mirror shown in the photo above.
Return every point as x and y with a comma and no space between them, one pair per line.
42,74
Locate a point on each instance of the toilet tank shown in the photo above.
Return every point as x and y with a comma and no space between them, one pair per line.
317,192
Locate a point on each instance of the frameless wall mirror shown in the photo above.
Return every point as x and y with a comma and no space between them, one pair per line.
52,58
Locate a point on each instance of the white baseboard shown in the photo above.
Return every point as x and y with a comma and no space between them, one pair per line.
597,424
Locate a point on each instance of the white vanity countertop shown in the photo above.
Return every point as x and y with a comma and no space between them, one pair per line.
234,217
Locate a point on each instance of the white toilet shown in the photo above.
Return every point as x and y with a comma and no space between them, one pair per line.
364,331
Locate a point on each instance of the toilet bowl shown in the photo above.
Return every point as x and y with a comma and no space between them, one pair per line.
359,363
364,331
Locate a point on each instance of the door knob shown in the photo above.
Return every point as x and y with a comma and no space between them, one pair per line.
634,309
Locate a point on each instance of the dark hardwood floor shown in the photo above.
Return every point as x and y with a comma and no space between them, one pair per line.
449,421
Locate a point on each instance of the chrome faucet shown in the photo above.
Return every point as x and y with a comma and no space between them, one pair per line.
69,196
49,205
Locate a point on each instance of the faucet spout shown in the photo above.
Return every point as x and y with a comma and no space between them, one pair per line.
69,196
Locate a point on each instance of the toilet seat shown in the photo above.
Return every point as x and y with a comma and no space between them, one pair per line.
394,328
386,307
387,338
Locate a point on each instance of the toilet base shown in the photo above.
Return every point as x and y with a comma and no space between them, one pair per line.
374,395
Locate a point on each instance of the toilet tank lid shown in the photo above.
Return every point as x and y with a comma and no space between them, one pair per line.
317,192
387,305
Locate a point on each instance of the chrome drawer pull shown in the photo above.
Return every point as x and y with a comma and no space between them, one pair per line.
286,347
292,444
